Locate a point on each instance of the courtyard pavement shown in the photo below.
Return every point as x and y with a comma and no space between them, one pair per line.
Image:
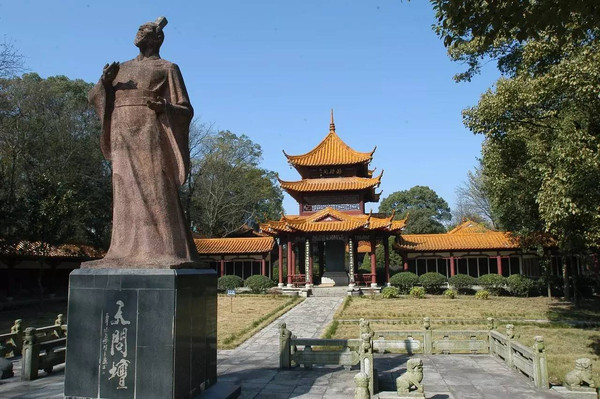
254,365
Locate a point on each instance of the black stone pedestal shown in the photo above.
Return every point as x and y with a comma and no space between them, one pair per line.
141,333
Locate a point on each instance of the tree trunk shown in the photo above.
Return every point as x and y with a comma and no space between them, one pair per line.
565,272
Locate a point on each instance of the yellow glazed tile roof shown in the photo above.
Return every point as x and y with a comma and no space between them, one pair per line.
331,220
246,245
330,151
331,184
39,248
467,236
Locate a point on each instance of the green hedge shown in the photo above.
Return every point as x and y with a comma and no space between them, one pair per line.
258,283
432,282
404,281
519,285
390,292
494,283
230,282
462,282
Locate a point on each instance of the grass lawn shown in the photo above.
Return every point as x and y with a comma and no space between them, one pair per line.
564,343
250,314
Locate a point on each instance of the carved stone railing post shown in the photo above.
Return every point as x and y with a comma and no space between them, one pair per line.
285,337
31,356
17,340
427,339
366,353
510,334
540,365
490,327
362,386
59,332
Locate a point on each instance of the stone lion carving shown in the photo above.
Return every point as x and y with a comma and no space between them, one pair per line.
582,374
412,377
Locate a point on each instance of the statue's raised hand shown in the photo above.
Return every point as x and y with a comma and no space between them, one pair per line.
109,72
159,105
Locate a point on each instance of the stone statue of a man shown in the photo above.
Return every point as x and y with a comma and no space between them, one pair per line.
145,114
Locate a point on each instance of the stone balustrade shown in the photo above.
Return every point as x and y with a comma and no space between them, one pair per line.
41,348
307,352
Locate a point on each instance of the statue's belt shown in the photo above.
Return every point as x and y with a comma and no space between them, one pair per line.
133,97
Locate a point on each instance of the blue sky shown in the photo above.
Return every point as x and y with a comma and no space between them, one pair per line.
272,70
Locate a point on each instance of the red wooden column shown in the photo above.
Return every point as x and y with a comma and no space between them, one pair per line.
499,263
294,260
373,262
222,267
280,253
289,262
263,267
405,265
452,267
386,253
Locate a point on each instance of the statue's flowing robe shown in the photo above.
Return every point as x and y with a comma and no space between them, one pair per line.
150,160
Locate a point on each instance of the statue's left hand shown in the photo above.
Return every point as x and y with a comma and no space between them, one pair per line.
159,105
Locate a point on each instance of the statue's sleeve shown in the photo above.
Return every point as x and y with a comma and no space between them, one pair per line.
98,99
179,116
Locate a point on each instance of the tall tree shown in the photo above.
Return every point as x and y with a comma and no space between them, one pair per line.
229,189
473,200
11,61
54,182
425,209
542,120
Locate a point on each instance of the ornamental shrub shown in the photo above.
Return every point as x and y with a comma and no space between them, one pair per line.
450,294
483,294
258,283
404,281
462,282
230,282
494,283
519,285
390,292
417,292
432,282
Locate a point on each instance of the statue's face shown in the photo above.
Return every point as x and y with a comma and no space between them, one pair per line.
145,36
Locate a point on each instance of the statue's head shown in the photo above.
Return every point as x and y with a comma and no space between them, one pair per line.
583,364
150,34
414,364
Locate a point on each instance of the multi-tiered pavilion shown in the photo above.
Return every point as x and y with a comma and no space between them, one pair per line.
335,184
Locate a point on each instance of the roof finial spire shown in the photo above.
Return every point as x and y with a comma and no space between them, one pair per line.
331,124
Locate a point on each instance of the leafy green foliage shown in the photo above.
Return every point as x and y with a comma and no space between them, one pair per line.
404,281
462,282
483,294
390,292
417,292
258,283
474,31
519,285
55,185
542,121
432,282
425,208
450,294
229,282
226,188
494,283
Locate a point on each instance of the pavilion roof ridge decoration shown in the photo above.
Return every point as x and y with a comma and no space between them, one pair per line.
206,246
321,221
468,226
331,183
331,151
